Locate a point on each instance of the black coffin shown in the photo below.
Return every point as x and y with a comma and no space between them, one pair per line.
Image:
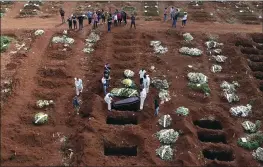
129,104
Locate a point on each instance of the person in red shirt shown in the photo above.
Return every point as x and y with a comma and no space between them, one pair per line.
119,17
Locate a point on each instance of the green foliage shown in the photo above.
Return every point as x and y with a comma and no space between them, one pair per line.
1,15
200,87
5,41
253,142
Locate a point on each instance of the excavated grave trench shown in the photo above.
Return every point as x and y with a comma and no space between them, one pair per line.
220,155
256,66
213,138
121,120
257,37
124,57
53,72
120,151
123,50
258,75
244,43
208,124
250,51
123,36
255,58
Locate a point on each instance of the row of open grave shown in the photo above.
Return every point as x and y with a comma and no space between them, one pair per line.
253,49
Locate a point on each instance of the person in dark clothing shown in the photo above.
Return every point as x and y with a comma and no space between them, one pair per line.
107,73
124,17
80,18
175,17
109,22
70,23
133,21
76,104
156,105
62,14
74,19
103,16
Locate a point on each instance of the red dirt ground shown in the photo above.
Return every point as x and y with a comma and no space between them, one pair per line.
44,71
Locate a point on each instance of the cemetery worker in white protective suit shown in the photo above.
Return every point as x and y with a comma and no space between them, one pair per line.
141,73
142,97
146,82
108,100
78,85
104,84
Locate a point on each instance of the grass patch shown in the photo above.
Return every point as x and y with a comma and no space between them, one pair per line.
5,41
200,87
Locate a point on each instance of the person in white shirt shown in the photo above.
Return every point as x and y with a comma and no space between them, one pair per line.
115,20
142,97
141,73
171,12
104,84
108,100
78,85
184,19
146,82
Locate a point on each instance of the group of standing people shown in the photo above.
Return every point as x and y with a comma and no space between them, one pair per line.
174,15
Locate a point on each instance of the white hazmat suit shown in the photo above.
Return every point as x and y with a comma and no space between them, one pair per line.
146,83
108,100
78,85
142,98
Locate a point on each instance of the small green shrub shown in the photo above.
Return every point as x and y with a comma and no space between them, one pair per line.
5,41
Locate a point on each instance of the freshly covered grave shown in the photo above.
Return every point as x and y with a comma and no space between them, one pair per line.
165,120
198,81
216,68
250,126
188,37
167,136
124,92
62,39
242,111
158,48
182,111
219,58
128,83
128,73
230,91
5,41
164,95
90,41
40,118
252,141
190,51
165,152
160,84
44,103
213,44
39,32
258,154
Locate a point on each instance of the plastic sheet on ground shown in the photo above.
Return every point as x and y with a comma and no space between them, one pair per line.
216,68
190,51
249,126
165,120
39,32
164,95
258,154
165,152
220,58
182,111
197,77
167,136
124,92
44,103
242,111
40,118
160,84
128,73
188,37
158,48
213,44
64,39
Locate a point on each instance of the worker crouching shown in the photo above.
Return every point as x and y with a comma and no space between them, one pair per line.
108,100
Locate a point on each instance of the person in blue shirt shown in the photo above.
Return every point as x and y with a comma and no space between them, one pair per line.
133,21
76,104
89,15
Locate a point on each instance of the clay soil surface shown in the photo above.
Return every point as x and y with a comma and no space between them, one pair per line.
43,70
